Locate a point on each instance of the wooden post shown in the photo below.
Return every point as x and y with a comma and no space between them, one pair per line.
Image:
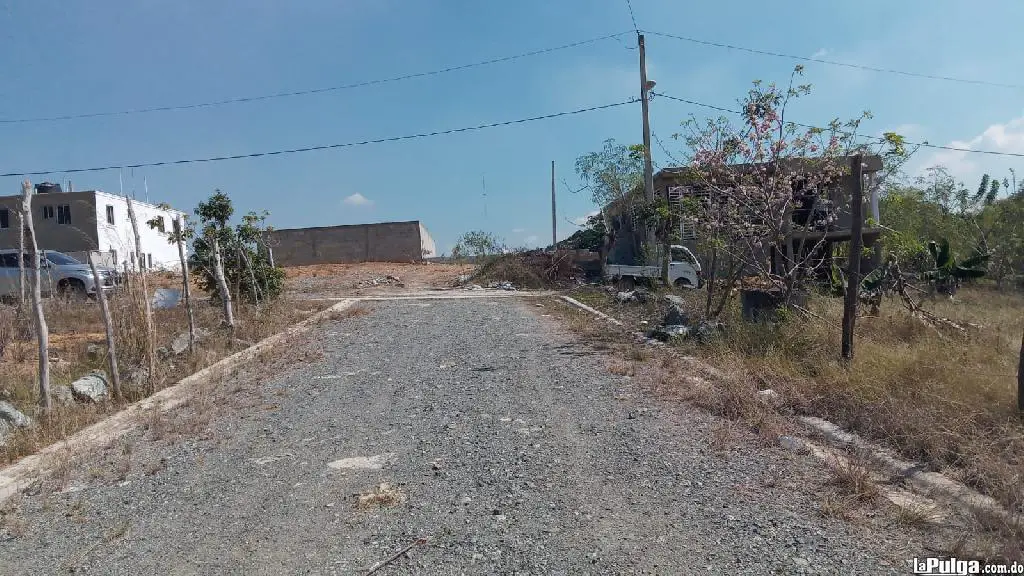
1020,377
21,260
108,326
853,270
42,330
179,237
150,348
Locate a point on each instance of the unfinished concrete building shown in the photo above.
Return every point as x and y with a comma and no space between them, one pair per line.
382,242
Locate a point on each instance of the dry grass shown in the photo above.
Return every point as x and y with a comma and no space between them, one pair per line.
74,326
944,398
935,395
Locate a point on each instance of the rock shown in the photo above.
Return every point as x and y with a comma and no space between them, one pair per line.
770,396
63,395
670,332
6,394
163,353
791,443
623,297
11,417
463,278
707,331
474,287
676,317
675,300
91,388
502,286
180,344
93,352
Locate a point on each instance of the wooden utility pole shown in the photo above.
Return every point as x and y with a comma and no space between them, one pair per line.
108,326
554,220
42,330
856,245
644,106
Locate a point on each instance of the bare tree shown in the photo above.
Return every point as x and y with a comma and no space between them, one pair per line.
150,349
115,377
42,331
222,283
179,238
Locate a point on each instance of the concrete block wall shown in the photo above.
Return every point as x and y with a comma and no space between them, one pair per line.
384,242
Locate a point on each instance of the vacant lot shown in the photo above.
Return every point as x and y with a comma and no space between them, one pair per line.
371,278
935,394
75,327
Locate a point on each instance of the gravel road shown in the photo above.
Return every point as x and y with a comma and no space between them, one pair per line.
501,441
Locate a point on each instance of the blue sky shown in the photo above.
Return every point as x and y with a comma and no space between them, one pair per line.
76,56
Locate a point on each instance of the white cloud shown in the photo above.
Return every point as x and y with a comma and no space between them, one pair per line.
518,230
909,131
357,199
582,220
969,167
821,53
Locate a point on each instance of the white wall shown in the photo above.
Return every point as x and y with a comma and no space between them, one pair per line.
119,236
427,245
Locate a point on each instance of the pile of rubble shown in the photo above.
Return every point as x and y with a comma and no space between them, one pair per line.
388,280
677,324
507,286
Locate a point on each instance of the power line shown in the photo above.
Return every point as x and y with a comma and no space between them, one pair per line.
835,63
921,144
632,17
323,147
363,84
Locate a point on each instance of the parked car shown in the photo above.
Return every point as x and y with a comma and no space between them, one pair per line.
684,270
60,275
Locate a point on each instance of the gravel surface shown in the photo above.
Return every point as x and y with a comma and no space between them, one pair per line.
497,438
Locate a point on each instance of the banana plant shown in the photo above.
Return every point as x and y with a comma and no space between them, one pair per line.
948,274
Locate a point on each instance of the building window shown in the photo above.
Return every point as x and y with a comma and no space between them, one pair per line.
64,214
5,218
160,223
47,212
110,214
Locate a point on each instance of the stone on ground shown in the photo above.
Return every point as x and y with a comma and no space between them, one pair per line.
91,388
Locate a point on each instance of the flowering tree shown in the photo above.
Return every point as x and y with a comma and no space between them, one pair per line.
760,188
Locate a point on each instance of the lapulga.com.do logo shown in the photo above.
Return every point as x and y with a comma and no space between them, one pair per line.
955,567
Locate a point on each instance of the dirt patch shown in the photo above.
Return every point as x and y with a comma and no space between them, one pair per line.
349,279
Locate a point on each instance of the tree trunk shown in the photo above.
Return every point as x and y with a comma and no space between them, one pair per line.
222,284
21,260
101,296
252,274
42,331
186,288
712,271
150,348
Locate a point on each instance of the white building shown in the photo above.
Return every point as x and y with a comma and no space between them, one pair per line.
77,223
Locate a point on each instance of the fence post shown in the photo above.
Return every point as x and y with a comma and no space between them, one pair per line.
856,244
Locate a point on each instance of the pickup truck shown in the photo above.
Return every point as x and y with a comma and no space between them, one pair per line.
683,271
60,274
